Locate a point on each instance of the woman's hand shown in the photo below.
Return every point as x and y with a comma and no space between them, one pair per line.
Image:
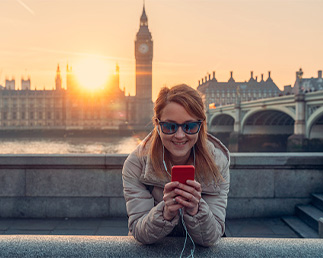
171,206
189,196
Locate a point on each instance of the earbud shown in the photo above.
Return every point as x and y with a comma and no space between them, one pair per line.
158,130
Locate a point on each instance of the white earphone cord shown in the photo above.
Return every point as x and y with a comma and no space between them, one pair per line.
181,212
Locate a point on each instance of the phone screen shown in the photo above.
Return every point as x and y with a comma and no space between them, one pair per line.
181,173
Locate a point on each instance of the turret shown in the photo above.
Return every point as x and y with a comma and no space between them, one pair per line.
58,79
231,77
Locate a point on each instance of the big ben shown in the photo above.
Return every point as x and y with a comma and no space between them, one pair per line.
144,57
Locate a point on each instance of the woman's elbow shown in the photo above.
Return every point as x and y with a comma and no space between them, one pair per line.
209,241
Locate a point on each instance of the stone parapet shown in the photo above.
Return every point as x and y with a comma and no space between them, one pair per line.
42,186
115,246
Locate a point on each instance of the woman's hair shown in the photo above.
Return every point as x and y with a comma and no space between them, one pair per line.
191,101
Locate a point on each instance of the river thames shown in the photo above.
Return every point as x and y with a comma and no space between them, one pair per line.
75,145
116,144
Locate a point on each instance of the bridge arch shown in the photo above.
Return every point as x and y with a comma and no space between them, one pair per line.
268,121
221,123
314,125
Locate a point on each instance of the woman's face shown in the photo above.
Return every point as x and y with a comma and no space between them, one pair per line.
178,144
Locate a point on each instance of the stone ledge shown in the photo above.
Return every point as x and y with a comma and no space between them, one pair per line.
114,246
238,160
37,161
284,160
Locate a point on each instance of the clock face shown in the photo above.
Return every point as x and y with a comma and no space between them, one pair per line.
143,48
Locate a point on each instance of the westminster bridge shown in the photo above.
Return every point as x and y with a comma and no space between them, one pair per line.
296,119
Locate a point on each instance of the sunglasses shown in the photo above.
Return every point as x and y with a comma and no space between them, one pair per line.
188,127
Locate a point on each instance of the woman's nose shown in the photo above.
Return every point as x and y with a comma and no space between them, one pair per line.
179,133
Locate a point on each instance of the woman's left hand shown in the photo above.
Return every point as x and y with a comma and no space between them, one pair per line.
189,196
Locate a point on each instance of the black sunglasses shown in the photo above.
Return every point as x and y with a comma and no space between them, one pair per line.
188,127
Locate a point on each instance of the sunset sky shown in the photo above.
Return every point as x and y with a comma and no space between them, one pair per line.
191,38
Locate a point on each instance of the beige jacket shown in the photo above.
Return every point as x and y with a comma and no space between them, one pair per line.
145,207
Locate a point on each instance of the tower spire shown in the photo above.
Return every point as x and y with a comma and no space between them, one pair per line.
143,18
58,79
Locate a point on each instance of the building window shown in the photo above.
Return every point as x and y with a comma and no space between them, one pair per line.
23,115
49,115
40,115
31,115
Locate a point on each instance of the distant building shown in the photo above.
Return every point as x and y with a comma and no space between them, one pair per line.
25,84
104,109
70,109
312,84
288,90
225,93
75,109
10,84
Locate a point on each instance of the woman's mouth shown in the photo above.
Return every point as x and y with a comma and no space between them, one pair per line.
180,143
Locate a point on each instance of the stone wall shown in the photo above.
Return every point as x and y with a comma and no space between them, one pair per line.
40,186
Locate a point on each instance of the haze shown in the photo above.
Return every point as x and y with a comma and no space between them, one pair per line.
191,39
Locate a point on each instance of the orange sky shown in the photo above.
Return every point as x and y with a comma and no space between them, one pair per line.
191,38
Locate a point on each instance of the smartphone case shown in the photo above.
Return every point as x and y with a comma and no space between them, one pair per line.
181,173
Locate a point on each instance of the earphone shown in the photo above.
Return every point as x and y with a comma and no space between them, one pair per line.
180,210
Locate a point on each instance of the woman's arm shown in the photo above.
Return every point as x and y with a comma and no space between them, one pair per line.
208,225
146,221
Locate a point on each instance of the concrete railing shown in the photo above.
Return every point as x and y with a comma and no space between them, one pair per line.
105,246
40,186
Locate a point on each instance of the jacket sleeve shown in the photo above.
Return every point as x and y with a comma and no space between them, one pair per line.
146,222
208,225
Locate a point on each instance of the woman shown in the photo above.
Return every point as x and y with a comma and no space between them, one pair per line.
179,138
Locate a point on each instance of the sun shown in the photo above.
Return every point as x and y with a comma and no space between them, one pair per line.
92,73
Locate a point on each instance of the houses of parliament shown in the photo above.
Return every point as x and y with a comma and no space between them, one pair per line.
109,108
73,108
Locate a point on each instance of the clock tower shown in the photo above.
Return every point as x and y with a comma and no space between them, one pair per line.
144,57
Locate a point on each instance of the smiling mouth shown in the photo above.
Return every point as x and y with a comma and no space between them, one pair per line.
180,143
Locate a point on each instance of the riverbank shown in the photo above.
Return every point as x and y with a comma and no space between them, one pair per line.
70,133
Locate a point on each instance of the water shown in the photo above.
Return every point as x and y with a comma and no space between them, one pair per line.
76,145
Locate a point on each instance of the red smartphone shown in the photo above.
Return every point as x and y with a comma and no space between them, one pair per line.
181,173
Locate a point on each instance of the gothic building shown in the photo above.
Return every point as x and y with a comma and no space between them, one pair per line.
75,109
70,109
225,93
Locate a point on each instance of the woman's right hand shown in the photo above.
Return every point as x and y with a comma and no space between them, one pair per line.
171,206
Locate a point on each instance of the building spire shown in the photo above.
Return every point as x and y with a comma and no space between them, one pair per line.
58,79
143,18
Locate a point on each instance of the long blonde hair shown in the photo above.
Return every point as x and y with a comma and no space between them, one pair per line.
191,101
